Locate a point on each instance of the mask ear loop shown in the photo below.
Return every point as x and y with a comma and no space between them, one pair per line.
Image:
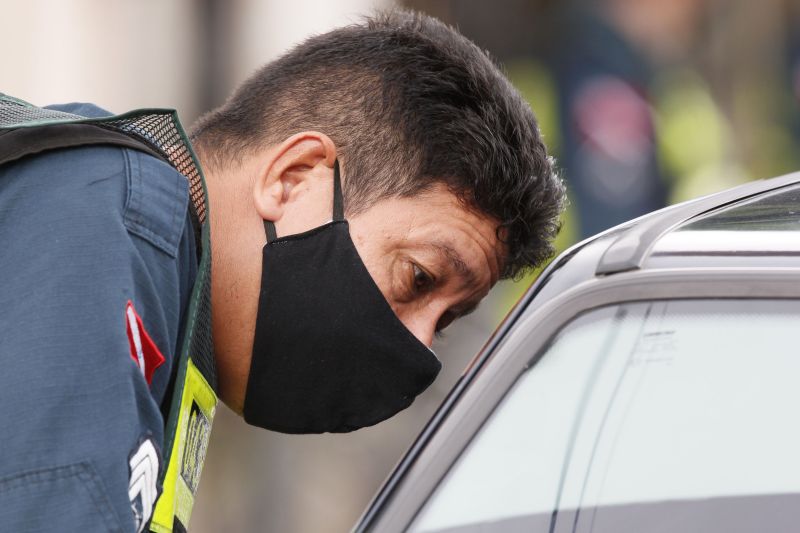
338,200
269,229
338,204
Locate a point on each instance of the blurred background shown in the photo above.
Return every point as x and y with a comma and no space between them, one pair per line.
643,102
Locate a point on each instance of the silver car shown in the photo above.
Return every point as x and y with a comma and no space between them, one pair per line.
648,382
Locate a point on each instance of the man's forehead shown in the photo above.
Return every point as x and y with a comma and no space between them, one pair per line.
456,227
448,251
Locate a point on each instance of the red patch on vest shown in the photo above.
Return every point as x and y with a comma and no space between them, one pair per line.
144,351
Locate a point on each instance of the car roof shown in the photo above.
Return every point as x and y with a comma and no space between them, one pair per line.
753,226
733,227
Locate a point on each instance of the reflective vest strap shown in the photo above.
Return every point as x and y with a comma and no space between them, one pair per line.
197,409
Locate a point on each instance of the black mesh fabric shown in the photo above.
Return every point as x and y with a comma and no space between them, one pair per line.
159,129
13,113
201,345
162,130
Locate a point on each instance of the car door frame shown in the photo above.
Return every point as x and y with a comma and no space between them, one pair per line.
521,346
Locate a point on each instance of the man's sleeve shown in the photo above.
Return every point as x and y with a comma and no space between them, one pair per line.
91,298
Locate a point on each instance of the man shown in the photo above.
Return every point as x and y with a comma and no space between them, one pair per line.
365,190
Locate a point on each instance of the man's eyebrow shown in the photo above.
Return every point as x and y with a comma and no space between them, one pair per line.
456,261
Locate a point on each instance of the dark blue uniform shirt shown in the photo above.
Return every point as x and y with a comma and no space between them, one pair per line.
82,232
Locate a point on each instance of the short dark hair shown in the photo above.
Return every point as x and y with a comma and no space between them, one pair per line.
409,102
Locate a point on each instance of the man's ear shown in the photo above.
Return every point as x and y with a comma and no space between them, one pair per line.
289,170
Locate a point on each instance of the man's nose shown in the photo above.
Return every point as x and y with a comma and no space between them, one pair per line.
422,324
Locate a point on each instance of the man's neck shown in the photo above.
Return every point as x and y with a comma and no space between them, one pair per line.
234,287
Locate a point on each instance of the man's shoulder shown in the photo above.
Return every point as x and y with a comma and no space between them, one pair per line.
146,194
90,228
157,200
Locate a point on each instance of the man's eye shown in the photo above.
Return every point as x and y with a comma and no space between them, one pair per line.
422,280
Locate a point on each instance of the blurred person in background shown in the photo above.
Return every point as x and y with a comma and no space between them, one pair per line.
665,101
605,65
368,188
609,78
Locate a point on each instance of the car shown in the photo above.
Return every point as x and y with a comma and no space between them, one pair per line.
648,381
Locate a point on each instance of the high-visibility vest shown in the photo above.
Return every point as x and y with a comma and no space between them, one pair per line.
26,129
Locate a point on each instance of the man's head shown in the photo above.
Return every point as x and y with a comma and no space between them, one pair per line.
447,184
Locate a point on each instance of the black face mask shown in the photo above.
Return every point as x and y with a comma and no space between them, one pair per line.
329,354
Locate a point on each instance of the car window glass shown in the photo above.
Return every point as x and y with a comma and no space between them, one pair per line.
526,438
663,416
772,211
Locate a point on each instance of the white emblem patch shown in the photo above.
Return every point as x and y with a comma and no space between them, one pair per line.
136,336
144,462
